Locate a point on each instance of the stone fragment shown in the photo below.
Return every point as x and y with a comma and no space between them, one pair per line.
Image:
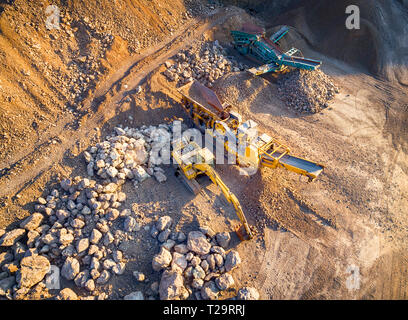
198,243
11,237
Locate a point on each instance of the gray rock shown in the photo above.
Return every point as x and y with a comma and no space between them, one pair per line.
104,277
197,242
82,245
179,260
181,237
117,255
225,281
67,294
85,210
32,270
164,223
95,264
19,250
65,238
119,131
96,235
5,257
70,268
195,261
172,286
161,260
110,188
169,244
204,264
219,250
62,214
112,214
77,223
248,293
41,200
52,278
119,268
160,177
198,272
130,224
32,236
3,275
197,284
219,260
90,285
164,235
32,222
6,284
209,291
211,261
137,295
68,251
154,232
81,278
66,184
181,248
94,273
11,237
232,260
108,239
223,239
49,238
155,287
109,264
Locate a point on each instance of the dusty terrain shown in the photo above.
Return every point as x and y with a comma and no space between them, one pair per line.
309,235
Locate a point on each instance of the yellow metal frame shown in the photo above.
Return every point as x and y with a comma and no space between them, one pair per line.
196,111
191,169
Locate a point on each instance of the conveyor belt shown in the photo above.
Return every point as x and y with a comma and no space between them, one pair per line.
295,164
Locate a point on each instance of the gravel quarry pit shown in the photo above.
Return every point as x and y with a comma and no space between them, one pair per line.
309,237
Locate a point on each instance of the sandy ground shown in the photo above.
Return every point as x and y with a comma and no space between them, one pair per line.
311,236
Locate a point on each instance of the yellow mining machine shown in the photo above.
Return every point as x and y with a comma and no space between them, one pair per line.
192,161
240,139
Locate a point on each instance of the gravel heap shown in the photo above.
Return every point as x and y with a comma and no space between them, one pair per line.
205,64
132,153
306,91
197,267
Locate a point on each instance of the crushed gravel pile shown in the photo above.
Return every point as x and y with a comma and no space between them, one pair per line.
205,63
307,91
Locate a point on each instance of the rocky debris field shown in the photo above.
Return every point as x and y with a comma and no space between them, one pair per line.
307,91
197,266
77,229
205,63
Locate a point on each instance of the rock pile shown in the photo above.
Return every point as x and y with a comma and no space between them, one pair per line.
78,226
131,153
73,229
198,267
307,91
205,64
